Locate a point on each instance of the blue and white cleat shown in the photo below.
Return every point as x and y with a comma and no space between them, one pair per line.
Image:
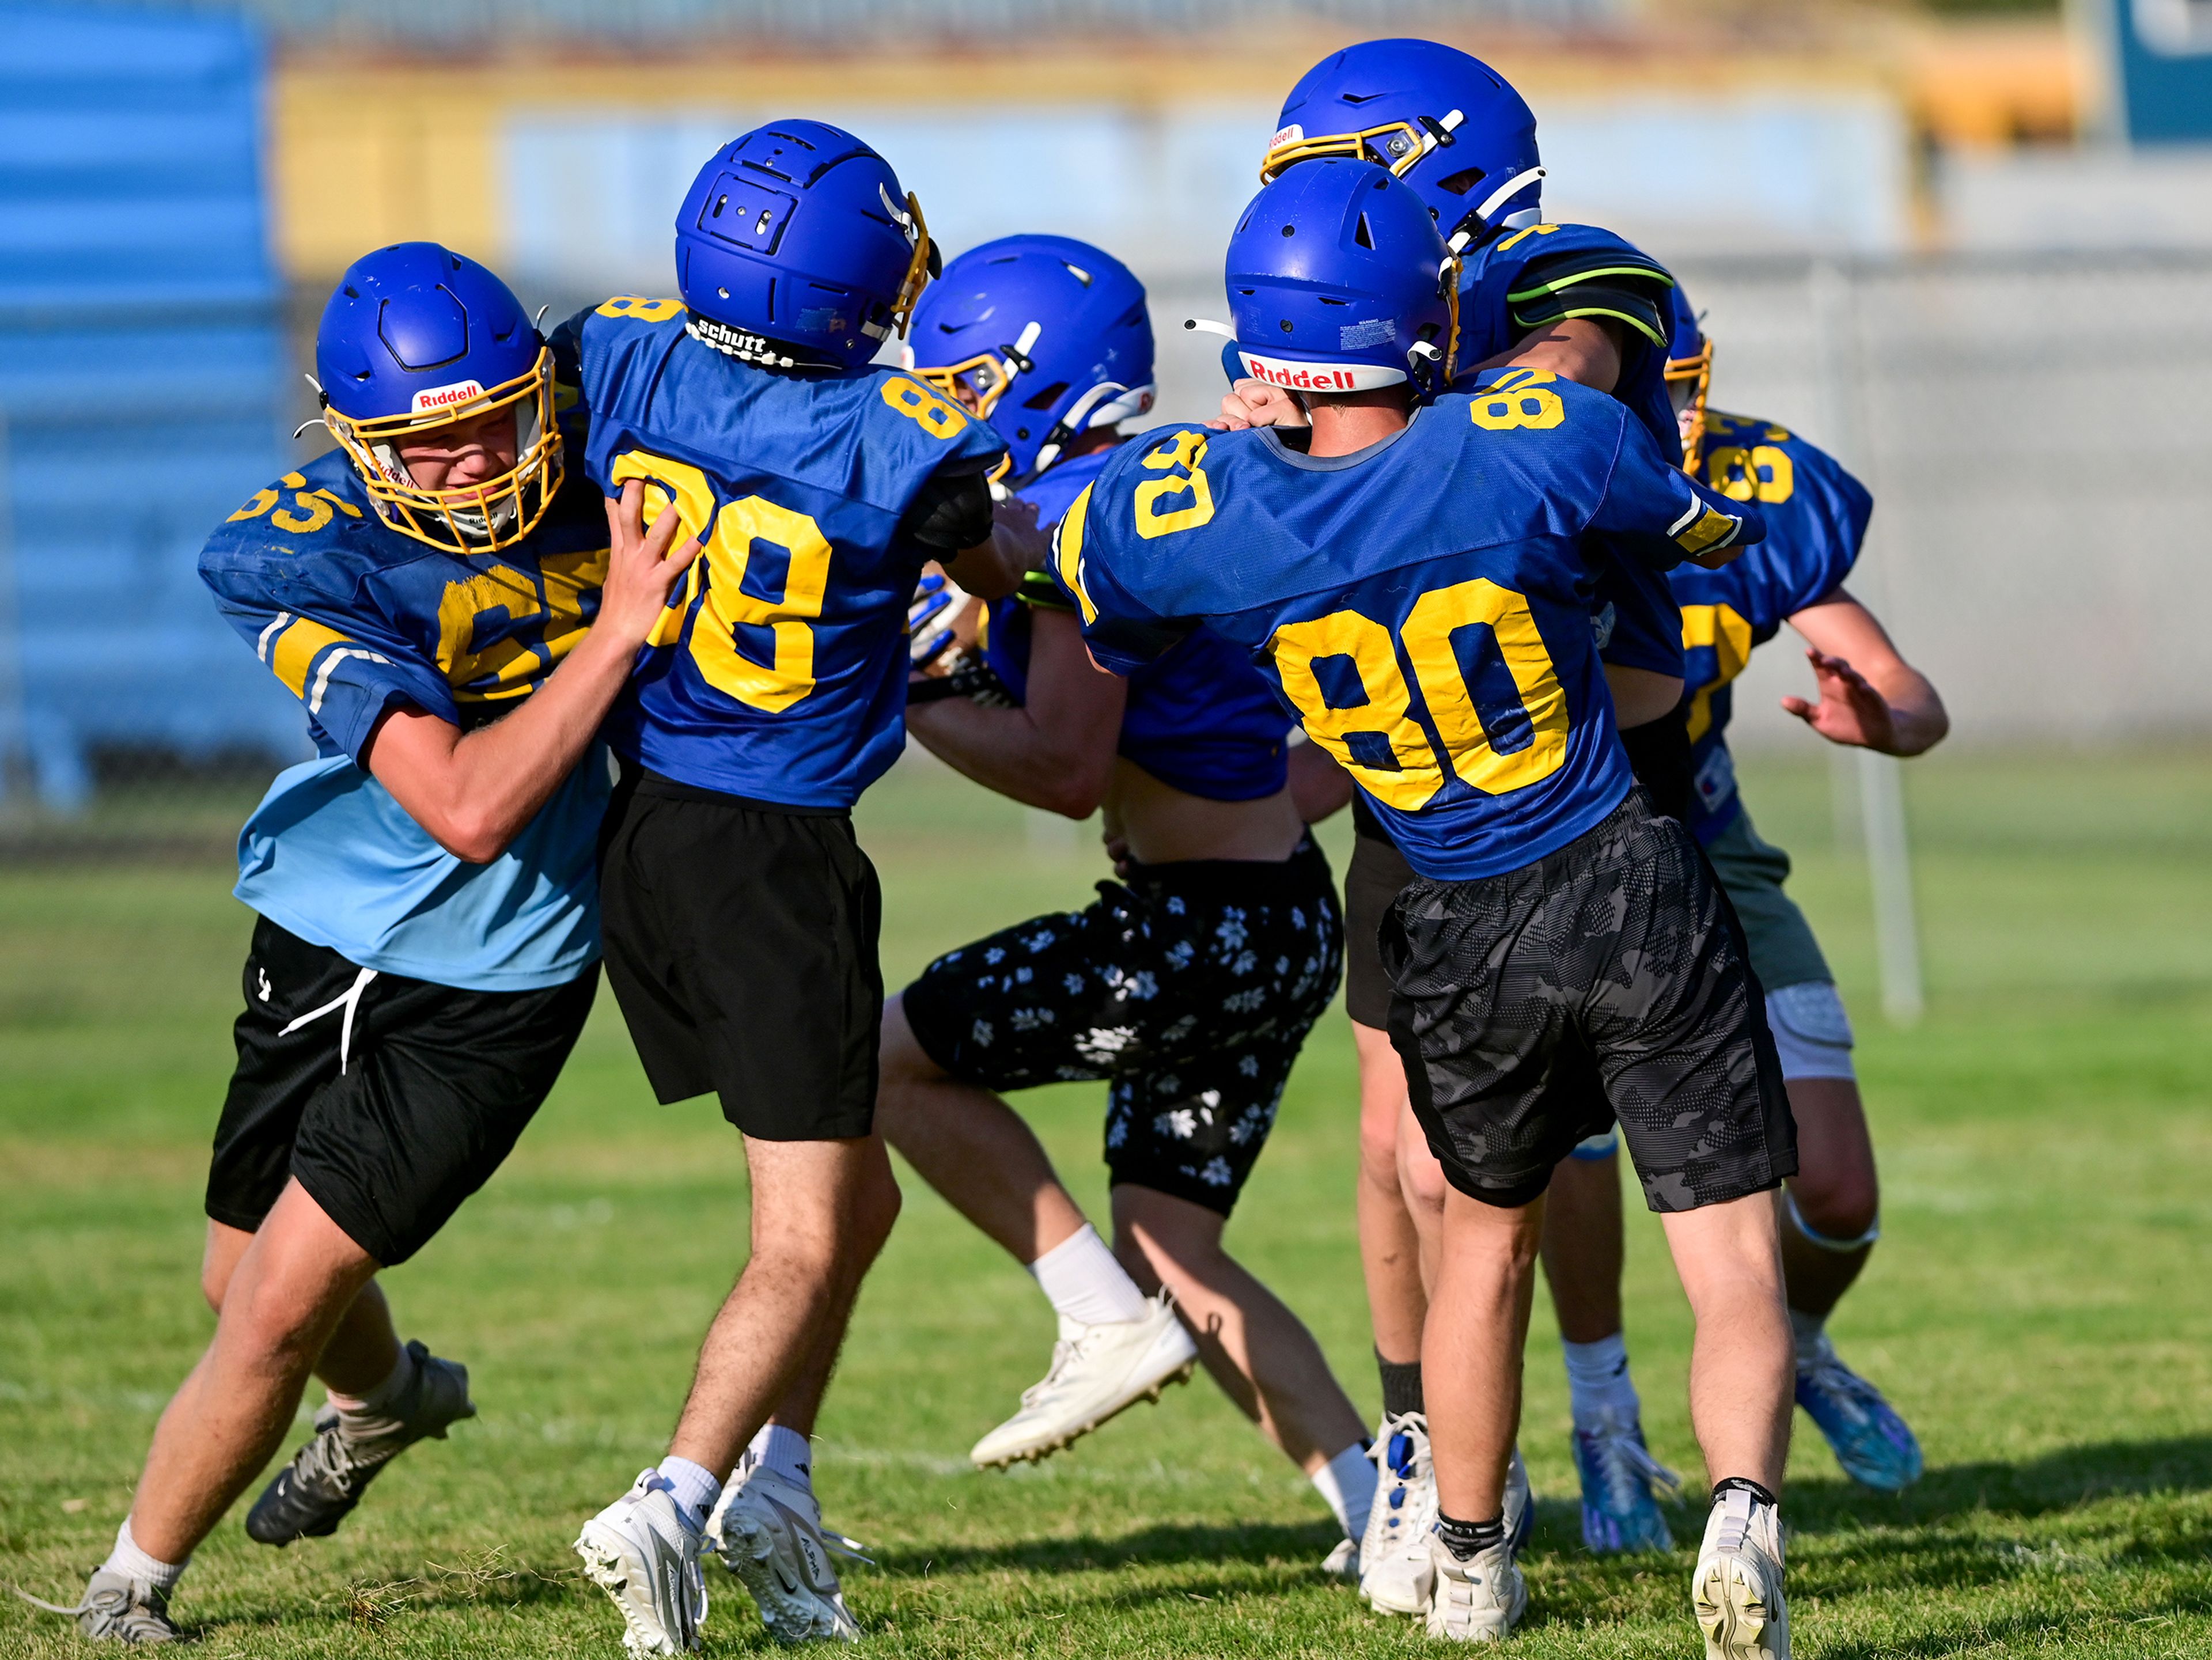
1622,1486
1875,1446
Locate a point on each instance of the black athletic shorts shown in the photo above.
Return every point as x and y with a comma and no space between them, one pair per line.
391,1099
1190,989
1371,884
1658,754
740,940
1606,980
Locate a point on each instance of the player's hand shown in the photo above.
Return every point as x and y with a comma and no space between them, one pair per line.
1257,403
1014,525
643,567
1850,710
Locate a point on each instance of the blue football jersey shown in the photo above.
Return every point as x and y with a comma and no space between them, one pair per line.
1200,719
1422,606
779,672
1518,283
1816,516
357,619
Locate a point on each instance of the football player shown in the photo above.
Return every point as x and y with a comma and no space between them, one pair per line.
1415,577
741,916
1577,301
426,944
1188,987
1870,697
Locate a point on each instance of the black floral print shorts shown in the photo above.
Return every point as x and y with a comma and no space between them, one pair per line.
1189,989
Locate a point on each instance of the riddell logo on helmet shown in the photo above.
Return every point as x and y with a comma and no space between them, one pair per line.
1289,135
1305,377
439,397
1319,377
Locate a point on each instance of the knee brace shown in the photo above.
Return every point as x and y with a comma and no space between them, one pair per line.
1812,1033
1826,1242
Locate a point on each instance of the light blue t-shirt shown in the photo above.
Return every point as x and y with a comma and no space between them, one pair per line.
355,620
331,856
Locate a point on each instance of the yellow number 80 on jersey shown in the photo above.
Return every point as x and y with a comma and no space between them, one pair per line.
1367,715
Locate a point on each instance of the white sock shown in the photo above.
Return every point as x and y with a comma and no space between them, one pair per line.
1598,1379
134,1564
785,1452
693,1487
1346,1482
1810,1332
401,1375
1087,1285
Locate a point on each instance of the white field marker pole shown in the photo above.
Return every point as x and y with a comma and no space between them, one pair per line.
1880,787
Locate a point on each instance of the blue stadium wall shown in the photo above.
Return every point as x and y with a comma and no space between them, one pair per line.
140,363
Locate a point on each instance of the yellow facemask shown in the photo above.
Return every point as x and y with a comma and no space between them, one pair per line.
479,518
1696,371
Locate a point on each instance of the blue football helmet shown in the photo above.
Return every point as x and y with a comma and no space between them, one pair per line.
796,248
1447,124
415,336
1338,281
1057,326
1689,374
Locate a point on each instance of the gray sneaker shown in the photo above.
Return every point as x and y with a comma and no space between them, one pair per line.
117,1609
327,1476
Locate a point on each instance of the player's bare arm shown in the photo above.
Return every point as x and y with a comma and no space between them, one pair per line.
476,792
1056,751
1869,695
1588,351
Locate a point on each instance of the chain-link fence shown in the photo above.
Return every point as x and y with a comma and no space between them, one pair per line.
2038,433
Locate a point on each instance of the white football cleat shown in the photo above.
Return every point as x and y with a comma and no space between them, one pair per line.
1737,1589
639,1551
1096,1373
1342,1561
1395,1576
768,1531
1477,1601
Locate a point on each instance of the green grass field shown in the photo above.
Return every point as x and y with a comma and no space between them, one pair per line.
2041,1307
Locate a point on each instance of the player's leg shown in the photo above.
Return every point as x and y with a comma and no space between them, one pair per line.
1480,1024
1678,1028
1832,1211
362,1349
290,1287
1472,1353
436,1085
1397,1575
1252,1345
1037,1002
1390,1244
1248,954
1621,1482
345,1142
742,944
973,1148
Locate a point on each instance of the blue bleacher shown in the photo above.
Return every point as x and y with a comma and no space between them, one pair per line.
140,366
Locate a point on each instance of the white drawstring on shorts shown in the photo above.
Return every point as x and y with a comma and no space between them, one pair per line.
348,1002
